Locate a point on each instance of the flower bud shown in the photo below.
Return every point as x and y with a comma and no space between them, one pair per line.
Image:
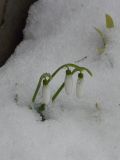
45,93
79,85
68,82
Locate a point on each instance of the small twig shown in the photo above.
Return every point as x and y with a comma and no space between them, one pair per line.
82,59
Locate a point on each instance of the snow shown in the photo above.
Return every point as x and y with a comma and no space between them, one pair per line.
58,32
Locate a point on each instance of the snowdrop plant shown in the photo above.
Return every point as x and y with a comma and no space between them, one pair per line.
45,80
109,25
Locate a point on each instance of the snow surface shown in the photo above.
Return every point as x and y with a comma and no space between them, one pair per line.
58,32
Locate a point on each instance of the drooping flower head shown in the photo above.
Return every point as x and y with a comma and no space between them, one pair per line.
68,82
45,92
79,84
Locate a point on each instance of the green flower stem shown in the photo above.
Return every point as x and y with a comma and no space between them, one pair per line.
70,65
37,89
57,92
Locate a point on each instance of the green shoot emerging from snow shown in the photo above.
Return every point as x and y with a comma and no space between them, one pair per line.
109,21
45,80
101,50
109,25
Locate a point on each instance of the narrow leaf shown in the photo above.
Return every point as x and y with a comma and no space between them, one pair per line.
101,50
101,35
99,32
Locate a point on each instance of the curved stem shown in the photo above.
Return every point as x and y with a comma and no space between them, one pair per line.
80,68
70,65
58,91
37,89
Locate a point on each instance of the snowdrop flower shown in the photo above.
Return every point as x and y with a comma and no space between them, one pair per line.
45,93
79,85
68,82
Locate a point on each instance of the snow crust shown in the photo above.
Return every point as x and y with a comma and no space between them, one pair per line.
58,32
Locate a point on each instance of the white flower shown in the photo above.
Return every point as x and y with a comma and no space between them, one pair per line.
45,94
68,82
79,85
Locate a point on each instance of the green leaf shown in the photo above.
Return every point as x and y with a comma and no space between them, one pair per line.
99,32
101,35
109,21
101,50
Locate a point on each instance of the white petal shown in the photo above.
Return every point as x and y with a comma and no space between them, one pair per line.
45,94
79,85
68,84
